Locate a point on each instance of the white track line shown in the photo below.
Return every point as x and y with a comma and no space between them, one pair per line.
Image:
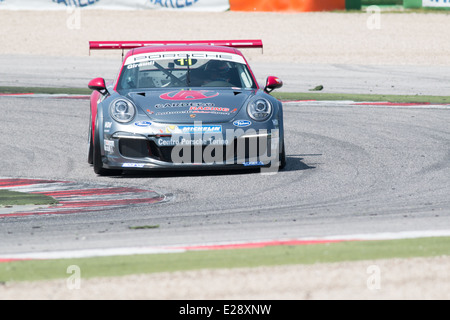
89,253
366,104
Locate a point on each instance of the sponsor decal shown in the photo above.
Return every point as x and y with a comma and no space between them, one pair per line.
253,163
189,95
210,144
191,108
242,123
208,109
202,135
184,105
200,129
108,125
193,129
192,142
133,165
142,64
108,145
172,129
166,113
143,124
192,113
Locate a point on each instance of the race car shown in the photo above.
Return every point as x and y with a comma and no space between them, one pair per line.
184,105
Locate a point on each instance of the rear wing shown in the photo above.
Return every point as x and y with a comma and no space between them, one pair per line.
127,45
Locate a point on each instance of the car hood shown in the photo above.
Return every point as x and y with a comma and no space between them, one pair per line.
189,106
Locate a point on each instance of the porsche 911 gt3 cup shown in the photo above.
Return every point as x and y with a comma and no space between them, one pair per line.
184,105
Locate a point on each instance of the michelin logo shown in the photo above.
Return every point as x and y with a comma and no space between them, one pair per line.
200,129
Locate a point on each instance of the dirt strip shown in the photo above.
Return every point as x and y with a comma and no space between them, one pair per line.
416,278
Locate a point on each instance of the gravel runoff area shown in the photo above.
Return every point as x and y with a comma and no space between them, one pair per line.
341,38
319,38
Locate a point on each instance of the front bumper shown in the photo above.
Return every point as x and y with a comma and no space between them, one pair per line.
165,147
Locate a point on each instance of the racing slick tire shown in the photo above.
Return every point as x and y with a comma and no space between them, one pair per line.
90,144
282,158
97,157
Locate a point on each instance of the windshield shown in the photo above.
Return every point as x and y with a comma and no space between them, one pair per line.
185,69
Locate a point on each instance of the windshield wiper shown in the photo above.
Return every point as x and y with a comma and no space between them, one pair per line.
188,76
159,67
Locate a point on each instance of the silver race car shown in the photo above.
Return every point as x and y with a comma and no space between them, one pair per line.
184,105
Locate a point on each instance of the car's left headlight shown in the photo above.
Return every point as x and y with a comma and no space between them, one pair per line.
259,109
122,110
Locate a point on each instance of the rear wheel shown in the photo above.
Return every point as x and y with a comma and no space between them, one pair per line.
282,158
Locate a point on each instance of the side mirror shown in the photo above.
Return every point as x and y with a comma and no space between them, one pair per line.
98,84
273,83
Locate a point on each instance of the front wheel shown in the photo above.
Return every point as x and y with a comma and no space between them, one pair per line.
90,144
97,157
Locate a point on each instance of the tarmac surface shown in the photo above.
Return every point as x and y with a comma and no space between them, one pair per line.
351,169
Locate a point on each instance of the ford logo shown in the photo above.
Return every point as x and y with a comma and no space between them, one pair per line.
242,123
143,124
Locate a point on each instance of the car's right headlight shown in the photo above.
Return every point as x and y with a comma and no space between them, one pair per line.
259,109
122,110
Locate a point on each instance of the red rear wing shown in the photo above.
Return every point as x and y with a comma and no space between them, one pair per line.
126,45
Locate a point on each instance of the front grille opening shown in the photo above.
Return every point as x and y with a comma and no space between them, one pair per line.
248,149
244,150
134,148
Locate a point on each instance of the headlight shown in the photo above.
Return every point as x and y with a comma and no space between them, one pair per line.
259,109
122,110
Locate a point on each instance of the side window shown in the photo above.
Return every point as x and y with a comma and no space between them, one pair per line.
128,80
245,76
235,79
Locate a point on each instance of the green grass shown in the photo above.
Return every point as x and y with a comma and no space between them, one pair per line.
43,90
12,198
233,258
363,97
381,2
144,227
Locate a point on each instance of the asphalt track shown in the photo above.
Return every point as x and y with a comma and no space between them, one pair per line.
351,169
50,71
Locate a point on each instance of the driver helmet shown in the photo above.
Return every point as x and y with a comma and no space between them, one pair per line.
218,70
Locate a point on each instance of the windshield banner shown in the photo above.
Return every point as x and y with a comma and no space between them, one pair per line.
186,5
436,3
